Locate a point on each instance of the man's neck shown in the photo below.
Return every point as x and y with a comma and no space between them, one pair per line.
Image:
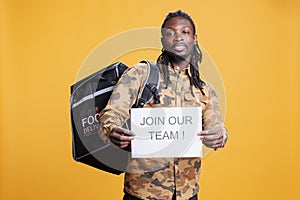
182,64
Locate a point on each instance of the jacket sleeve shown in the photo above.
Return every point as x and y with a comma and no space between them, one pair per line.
123,97
212,117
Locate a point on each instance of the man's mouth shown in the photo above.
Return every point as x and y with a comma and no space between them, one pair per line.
179,47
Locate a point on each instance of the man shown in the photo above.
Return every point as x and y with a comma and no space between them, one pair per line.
180,86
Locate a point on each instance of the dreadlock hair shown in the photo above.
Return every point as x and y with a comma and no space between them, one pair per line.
196,55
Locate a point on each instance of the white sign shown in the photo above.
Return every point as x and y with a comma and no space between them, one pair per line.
166,132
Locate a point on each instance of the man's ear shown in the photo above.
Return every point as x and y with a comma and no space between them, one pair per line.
162,41
195,38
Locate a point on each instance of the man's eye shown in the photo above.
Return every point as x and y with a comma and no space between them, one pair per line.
170,33
185,32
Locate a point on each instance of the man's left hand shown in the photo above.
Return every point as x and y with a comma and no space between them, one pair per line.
213,138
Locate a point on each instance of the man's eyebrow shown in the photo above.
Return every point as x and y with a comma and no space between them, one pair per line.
169,27
172,27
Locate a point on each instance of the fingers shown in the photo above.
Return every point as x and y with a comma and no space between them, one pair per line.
212,138
121,137
213,143
121,144
122,131
211,131
211,135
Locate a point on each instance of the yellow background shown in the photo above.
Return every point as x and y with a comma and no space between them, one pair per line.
255,44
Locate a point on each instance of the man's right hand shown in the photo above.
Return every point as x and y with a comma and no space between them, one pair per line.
121,137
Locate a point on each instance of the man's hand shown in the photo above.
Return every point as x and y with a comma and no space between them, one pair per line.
213,138
121,137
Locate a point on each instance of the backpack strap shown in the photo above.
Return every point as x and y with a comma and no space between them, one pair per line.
150,87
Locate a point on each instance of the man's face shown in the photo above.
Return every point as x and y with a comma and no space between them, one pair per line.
178,37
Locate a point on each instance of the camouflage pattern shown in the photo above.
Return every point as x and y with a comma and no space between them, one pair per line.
160,178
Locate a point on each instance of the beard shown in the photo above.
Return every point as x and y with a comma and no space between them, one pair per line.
174,57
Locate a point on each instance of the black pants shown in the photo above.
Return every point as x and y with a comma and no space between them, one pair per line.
130,197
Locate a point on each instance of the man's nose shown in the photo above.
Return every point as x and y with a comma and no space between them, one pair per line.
178,37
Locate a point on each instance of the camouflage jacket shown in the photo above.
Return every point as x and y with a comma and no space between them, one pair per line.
163,176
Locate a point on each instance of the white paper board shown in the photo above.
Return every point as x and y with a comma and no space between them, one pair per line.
166,132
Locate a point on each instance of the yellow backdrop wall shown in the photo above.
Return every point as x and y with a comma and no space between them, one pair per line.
255,44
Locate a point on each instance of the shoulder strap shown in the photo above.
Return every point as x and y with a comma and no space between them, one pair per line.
150,87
